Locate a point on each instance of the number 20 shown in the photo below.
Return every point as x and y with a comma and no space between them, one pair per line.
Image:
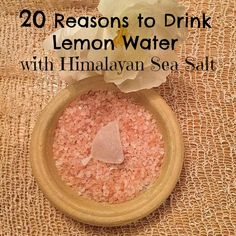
36,18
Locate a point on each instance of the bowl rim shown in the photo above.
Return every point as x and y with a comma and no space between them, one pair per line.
88,211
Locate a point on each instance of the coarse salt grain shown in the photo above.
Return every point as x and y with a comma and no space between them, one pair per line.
141,140
107,146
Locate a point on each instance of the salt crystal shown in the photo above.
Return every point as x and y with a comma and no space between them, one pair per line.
107,146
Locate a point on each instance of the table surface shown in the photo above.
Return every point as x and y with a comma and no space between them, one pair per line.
204,201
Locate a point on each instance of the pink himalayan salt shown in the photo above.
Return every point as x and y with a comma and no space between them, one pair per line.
107,145
142,144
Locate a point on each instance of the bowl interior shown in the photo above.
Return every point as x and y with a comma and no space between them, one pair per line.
88,211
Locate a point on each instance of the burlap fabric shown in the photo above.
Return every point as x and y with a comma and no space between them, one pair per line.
204,201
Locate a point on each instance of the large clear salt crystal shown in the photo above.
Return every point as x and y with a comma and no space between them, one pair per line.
107,146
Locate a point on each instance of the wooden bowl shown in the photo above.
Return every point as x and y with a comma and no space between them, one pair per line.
88,211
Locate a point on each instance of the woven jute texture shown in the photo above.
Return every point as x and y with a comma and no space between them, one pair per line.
204,200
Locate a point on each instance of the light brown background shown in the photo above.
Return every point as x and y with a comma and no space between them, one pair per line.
204,201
